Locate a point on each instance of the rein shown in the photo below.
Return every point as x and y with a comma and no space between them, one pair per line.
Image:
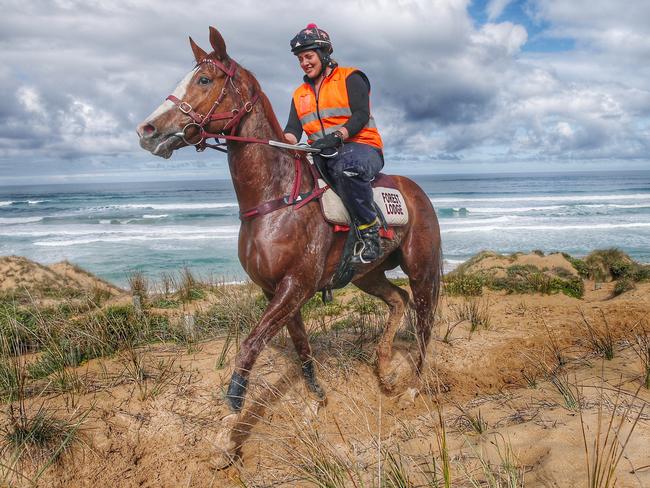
234,117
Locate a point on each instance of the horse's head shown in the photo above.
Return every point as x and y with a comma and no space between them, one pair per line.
206,100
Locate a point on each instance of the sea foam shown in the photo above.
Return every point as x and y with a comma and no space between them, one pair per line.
547,198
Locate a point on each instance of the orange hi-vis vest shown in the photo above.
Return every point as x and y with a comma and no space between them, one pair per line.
331,110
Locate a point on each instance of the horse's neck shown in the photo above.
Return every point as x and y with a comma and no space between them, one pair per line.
259,172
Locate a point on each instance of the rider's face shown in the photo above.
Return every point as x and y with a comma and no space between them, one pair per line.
310,63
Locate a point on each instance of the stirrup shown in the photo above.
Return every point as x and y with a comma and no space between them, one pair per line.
358,253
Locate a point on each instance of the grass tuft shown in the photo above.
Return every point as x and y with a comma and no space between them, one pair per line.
599,337
190,288
571,396
139,286
476,312
605,451
641,347
467,421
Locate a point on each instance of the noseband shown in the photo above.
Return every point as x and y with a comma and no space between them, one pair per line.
233,116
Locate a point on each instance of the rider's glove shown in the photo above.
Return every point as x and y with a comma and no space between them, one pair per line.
330,141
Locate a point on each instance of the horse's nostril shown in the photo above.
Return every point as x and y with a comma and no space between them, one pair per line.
146,130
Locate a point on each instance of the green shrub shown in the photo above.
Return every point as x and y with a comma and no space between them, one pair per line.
623,285
365,305
573,287
621,269
583,269
642,273
528,279
165,303
612,262
464,284
313,304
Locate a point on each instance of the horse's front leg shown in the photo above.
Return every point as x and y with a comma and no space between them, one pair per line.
289,296
282,308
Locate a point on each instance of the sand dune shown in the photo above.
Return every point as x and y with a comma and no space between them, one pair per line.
495,387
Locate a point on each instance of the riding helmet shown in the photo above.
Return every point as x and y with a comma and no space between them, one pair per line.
311,38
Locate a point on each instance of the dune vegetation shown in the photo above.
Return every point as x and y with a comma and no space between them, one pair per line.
539,375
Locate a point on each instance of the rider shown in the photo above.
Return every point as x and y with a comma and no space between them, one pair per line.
332,106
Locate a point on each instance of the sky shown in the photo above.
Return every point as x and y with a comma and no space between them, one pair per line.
458,86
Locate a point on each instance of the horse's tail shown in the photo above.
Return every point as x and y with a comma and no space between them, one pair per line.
438,273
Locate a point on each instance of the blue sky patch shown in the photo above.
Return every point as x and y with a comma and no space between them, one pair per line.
520,12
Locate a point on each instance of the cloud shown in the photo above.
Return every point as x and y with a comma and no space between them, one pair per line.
77,77
495,8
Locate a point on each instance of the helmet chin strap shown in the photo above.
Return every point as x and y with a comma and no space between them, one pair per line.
325,61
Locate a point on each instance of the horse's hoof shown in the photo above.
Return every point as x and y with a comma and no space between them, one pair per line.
407,398
318,393
388,381
311,408
224,460
226,446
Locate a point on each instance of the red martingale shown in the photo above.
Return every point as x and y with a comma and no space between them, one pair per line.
295,198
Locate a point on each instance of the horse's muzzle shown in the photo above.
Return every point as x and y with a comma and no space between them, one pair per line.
158,144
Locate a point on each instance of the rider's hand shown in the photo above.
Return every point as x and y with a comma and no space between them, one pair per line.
330,141
290,138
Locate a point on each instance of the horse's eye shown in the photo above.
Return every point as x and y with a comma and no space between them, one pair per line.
204,81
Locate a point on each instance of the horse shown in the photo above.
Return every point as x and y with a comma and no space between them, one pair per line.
285,245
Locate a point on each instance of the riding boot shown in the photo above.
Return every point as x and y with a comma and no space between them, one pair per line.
368,247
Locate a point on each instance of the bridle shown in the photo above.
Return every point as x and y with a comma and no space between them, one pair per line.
233,116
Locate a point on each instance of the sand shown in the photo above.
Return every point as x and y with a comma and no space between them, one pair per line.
19,274
164,436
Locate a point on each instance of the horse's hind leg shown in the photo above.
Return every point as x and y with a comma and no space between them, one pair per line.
423,299
375,283
422,261
301,342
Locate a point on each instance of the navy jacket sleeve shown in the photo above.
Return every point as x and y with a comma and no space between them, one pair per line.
293,124
358,88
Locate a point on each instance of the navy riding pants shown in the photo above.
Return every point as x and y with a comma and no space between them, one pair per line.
351,172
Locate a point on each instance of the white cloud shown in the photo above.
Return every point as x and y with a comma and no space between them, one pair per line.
495,8
28,96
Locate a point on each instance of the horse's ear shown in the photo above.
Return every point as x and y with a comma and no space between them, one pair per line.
199,54
218,44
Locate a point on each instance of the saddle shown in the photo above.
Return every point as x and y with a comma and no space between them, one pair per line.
391,209
389,202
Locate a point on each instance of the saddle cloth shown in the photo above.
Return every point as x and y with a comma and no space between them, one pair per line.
389,200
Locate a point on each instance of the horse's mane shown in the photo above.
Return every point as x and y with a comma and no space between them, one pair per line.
266,104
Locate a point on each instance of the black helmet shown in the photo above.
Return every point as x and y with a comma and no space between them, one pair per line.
311,37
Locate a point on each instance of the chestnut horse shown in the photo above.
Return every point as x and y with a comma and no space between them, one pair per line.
291,252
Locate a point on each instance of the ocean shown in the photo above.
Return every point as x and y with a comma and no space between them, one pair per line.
113,229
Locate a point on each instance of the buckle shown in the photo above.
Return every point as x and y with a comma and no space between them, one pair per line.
185,107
